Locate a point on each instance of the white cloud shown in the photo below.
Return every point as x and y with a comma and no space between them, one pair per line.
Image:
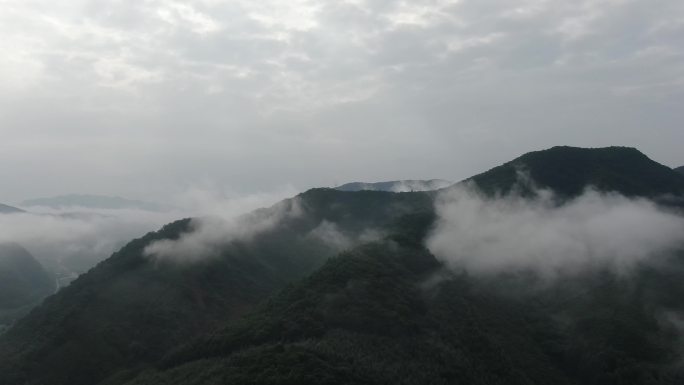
510,234
208,235
186,16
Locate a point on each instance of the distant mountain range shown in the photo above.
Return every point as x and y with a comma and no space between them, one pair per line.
72,201
680,170
285,306
4,209
397,185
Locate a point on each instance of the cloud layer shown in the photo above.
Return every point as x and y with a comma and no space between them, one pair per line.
513,234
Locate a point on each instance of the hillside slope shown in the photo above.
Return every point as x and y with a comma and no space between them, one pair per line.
385,313
130,309
362,319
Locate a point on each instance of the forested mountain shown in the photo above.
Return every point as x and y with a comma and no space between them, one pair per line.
4,209
23,282
131,308
281,306
379,315
397,185
680,170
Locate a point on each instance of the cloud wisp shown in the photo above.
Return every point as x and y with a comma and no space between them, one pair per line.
509,234
208,235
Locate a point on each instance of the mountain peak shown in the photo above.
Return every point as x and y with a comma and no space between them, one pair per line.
568,171
570,151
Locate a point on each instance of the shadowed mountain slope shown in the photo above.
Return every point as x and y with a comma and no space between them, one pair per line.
23,281
364,318
385,313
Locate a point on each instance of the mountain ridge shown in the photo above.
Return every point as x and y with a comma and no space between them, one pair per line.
93,202
108,311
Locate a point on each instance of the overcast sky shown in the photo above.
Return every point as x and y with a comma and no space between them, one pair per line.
148,98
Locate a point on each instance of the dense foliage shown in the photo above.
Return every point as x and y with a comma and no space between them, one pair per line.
385,313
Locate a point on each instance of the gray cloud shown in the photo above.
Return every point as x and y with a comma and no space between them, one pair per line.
144,99
515,234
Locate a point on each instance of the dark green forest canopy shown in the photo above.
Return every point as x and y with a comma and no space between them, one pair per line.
386,313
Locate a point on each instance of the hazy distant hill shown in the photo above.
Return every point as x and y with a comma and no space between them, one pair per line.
384,312
397,185
4,209
92,202
680,170
23,281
